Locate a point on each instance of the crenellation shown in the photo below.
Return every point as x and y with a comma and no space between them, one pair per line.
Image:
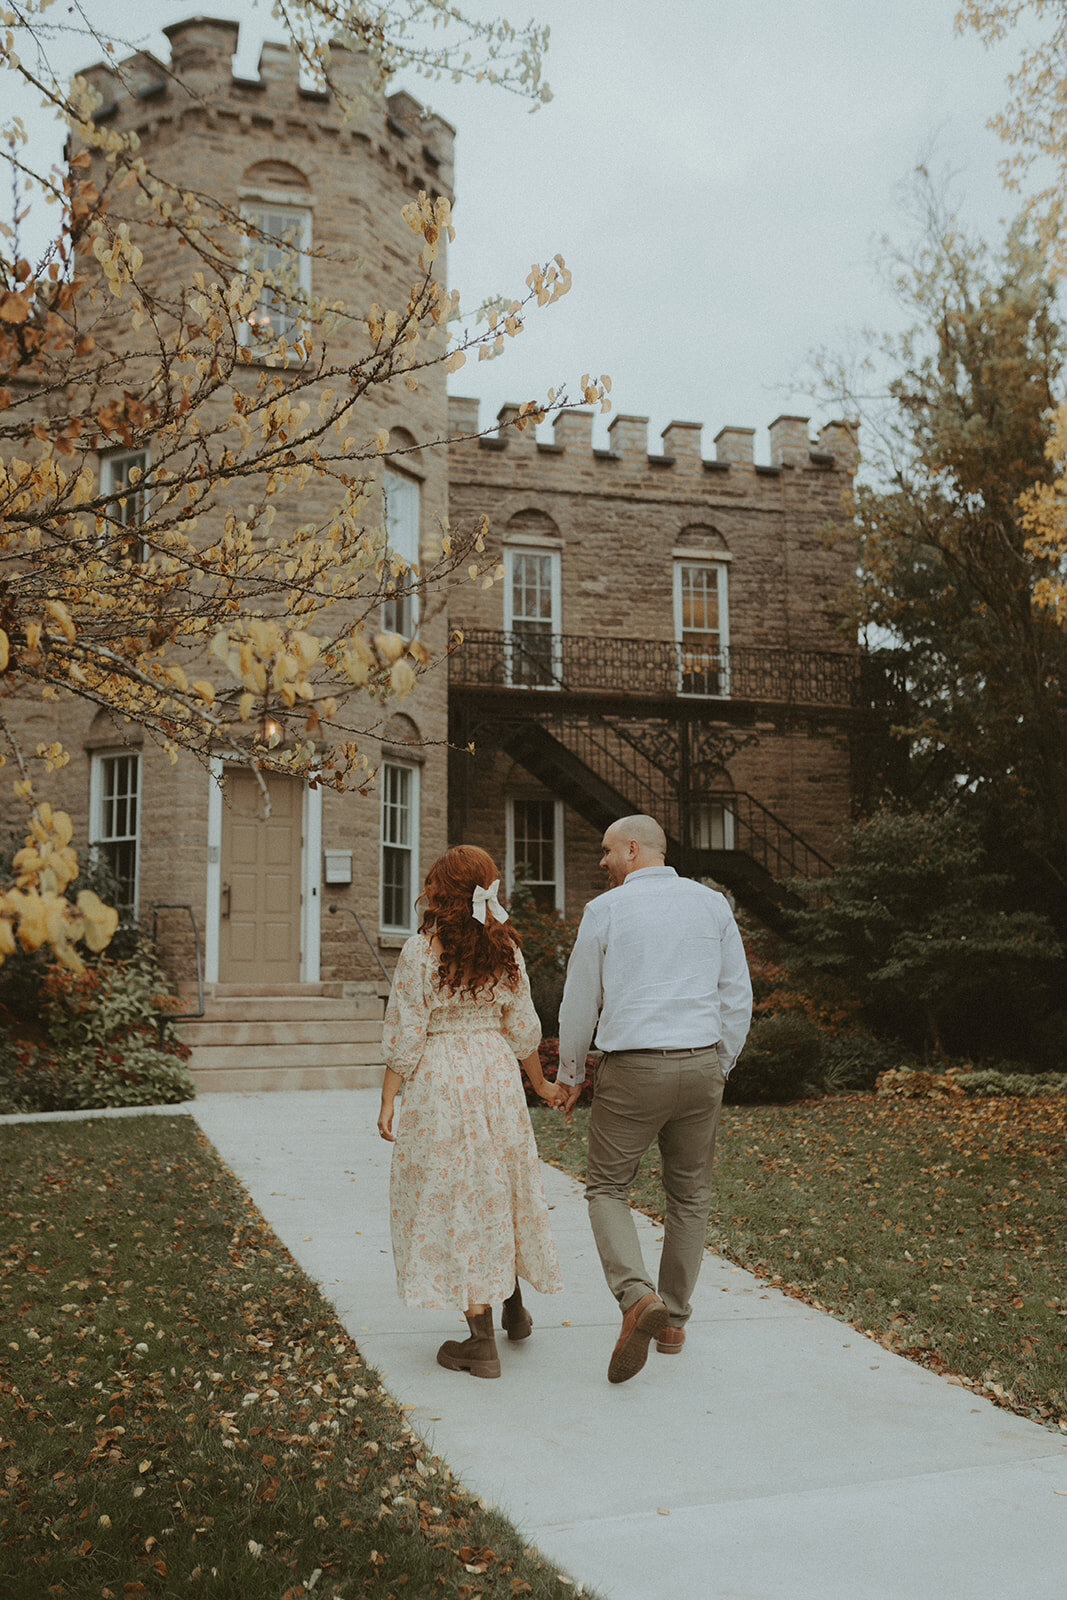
681,442
790,444
629,436
735,446
573,429
199,83
840,439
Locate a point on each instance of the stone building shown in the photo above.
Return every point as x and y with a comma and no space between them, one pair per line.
667,636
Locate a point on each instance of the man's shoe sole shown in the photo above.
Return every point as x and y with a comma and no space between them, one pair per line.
629,1357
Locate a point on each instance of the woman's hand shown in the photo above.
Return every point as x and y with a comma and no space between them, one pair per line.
385,1121
553,1094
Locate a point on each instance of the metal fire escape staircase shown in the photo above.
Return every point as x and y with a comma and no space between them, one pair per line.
606,764
599,767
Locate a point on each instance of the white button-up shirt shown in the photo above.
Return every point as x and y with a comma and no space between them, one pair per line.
658,964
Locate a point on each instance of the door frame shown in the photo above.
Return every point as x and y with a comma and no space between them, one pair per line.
310,877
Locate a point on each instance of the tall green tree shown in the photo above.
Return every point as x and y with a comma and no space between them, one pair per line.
946,566
926,937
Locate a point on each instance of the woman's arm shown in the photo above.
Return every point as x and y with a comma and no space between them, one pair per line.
551,1093
390,1084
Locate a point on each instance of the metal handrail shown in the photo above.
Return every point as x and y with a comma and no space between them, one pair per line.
577,663
179,1016
334,909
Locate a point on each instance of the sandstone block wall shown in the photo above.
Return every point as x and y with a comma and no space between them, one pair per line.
206,130
620,518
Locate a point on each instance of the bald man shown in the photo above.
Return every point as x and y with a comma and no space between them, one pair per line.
658,977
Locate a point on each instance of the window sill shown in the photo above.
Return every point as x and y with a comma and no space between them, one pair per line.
393,941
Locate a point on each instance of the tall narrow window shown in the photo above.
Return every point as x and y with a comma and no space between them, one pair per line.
114,821
713,825
531,618
700,623
400,840
122,477
535,850
280,248
400,612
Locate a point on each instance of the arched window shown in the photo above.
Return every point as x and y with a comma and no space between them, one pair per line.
276,203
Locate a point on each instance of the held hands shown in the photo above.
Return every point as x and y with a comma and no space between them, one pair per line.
553,1094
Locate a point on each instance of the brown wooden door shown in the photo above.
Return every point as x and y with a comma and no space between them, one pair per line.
259,918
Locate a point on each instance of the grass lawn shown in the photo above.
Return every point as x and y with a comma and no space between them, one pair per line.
181,1414
938,1227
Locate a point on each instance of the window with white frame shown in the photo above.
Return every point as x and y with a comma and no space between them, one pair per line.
532,618
535,850
400,846
400,612
279,246
700,627
713,825
114,820
123,477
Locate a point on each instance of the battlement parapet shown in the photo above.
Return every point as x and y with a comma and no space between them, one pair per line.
792,448
142,93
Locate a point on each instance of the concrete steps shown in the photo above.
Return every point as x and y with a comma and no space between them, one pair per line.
288,1036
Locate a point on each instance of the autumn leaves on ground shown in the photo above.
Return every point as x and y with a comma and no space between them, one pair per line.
181,1413
937,1227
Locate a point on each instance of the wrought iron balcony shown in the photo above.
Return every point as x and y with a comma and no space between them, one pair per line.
490,658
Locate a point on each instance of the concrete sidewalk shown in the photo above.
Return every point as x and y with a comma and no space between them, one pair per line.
782,1456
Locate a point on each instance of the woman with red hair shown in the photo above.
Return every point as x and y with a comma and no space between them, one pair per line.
468,1211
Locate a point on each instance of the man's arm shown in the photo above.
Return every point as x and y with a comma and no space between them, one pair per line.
579,1009
735,997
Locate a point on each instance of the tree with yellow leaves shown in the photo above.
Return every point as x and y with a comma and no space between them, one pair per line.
224,590
1034,124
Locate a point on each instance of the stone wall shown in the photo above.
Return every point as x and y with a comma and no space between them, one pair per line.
206,130
620,518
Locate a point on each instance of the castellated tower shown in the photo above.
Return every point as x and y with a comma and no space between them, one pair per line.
259,889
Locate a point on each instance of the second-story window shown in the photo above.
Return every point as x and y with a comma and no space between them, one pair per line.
123,478
532,618
400,612
279,247
700,627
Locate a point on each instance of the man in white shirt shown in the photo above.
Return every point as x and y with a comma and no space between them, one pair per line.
658,975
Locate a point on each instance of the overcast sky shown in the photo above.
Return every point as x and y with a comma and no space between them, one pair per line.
716,176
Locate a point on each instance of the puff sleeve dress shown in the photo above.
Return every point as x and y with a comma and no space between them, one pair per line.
468,1211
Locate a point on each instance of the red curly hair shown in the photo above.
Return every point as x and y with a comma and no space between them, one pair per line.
473,956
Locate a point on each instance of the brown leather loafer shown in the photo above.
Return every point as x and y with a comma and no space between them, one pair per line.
670,1341
644,1320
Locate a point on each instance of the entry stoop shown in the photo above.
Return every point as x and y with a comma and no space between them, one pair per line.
256,1037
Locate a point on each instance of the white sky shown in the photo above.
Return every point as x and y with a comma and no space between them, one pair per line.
716,176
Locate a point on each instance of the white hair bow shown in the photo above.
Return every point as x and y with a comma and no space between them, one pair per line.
487,897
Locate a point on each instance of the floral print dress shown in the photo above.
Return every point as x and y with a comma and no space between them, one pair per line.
467,1206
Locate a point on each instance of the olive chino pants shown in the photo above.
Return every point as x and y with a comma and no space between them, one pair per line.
674,1097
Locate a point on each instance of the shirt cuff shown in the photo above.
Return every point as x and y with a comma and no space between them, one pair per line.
564,1077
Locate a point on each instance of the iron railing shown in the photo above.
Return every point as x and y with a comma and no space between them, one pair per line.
697,820
166,1017
490,658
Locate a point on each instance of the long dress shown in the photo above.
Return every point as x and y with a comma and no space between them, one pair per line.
468,1210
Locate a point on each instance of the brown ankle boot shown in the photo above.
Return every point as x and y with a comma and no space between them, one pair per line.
476,1355
515,1320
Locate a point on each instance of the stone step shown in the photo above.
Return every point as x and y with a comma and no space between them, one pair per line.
307,991
217,1030
264,1008
239,1058
264,1079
